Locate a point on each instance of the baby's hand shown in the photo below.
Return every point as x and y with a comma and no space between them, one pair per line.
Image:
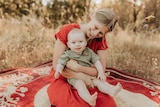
59,69
101,76
57,74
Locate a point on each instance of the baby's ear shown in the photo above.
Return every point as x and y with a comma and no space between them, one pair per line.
68,44
86,43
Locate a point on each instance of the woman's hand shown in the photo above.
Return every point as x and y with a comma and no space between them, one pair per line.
73,65
87,79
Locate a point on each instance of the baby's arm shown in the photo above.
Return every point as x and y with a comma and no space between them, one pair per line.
59,69
99,67
97,63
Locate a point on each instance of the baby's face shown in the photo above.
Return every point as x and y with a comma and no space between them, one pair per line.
77,43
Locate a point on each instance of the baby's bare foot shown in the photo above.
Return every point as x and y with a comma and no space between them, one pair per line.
117,89
92,101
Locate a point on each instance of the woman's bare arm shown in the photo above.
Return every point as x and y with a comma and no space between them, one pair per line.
73,65
79,75
59,49
103,59
92,71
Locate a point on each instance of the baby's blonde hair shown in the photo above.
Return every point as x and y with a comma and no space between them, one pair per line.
75,31
107,17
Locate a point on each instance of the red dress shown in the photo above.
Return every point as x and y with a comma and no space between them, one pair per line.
61,94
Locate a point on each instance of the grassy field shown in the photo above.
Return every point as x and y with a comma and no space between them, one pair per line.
27,43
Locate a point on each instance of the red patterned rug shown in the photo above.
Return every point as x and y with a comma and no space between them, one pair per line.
26,87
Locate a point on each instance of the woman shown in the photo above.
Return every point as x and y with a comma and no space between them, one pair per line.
60,93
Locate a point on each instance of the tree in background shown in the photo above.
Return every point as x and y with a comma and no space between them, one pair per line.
67,11
133,14
54,13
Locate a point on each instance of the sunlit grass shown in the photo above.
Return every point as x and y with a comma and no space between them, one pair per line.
136,54
24,43
27,43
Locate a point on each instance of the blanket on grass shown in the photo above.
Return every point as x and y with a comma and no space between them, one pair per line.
27,87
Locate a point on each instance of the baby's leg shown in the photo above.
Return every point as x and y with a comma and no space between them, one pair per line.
107,88
84,93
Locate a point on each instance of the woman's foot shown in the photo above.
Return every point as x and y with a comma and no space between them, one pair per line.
92,101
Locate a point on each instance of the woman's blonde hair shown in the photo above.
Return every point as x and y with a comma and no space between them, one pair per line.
107,17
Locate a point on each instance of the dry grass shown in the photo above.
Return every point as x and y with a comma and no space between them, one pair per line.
26,43
136,54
